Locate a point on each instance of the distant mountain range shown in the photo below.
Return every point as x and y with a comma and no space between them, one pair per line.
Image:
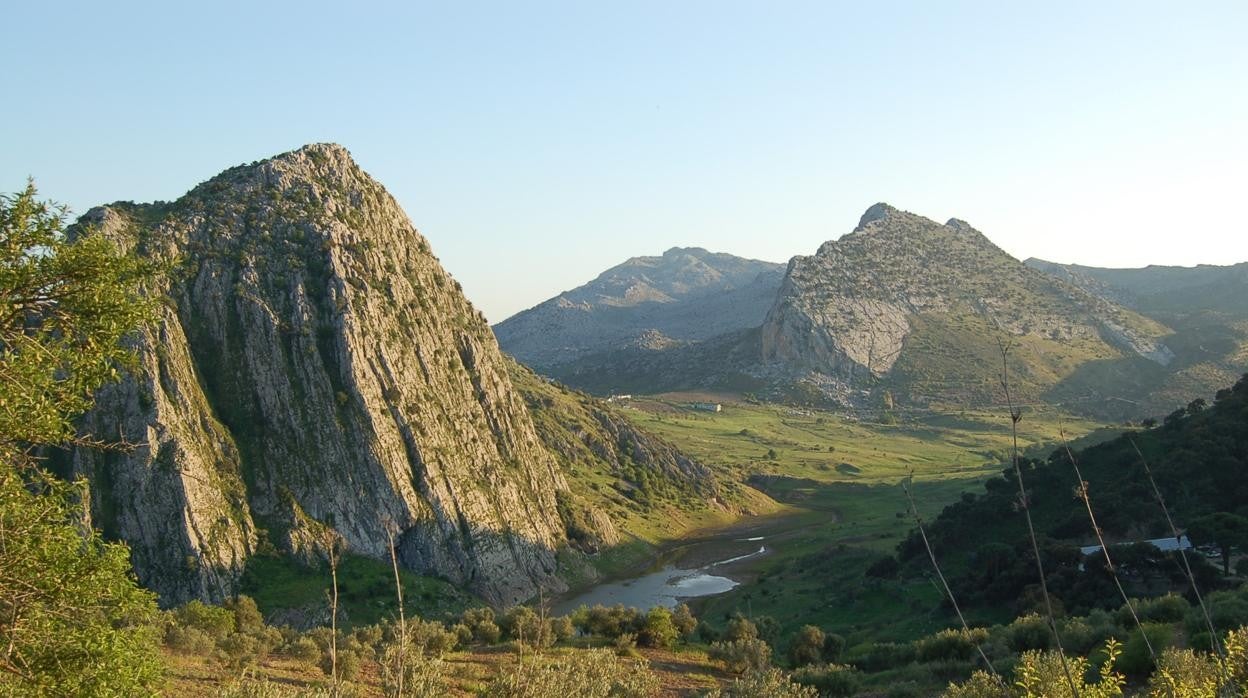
901,312
687,295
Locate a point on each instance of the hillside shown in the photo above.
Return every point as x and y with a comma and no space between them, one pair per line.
1206,310
685,296
1199,457
315,379
908,306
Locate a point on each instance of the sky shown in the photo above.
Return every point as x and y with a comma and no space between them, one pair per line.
537,144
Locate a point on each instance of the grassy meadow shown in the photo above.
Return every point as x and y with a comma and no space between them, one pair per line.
837,481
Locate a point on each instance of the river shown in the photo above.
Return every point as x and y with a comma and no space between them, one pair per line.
676,576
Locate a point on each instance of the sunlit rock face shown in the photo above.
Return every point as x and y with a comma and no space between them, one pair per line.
315,374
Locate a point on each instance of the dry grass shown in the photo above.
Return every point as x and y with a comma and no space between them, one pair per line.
682,672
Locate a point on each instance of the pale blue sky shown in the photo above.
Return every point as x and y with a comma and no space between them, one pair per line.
537,144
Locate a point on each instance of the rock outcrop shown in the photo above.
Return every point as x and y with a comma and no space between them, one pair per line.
915,306
315,376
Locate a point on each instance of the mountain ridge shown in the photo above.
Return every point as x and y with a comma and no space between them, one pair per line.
685,295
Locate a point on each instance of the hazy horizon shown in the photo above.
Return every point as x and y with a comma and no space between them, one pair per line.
537,146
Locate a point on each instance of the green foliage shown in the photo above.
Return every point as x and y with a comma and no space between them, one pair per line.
247,617
522,624
67,306
583,673
745,654
72,619
769,683
950,645
1170,608
658,630
365,588
1223,530
1197,459
263,688
1135,660
683,618
422,676
1030,632
480,622
191,641
1042,674
216,621
830,679
806,647
303,649
739,628
833,647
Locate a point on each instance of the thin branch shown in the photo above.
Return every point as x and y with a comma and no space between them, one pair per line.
1016,415
1187,565
1081,491
918,520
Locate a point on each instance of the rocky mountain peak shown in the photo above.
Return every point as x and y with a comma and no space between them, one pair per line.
317,375
902,293
875,213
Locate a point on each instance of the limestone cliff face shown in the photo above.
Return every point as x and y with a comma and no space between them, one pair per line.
316,372
909,303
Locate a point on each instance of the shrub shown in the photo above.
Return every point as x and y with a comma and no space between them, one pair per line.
523,625
264,688
562,628
247,618
239,651
430,637
217,622
1043,675
1170,608
830,679
683,618
806,647
608,622
833,647
348,664
303,649
583,674
423,676
1135,660
481,622
1031,632
739,628
188,640
771,683
626,645
883,655
980,685
1227,609
950,645
1185,673
463,635
658,630
706,632
739,656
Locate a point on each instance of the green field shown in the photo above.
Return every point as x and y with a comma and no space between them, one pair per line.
837,480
